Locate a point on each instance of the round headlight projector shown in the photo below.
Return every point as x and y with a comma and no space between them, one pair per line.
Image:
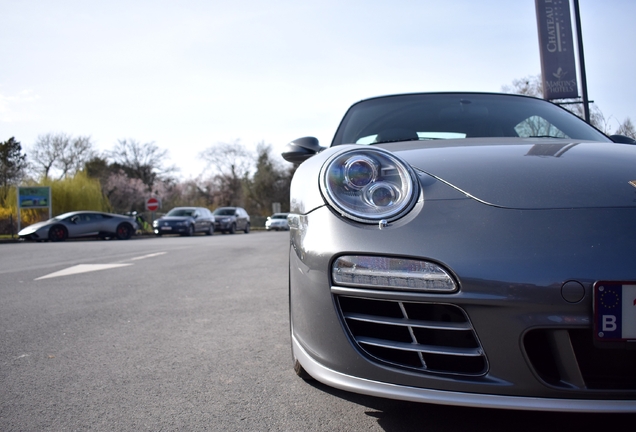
369,185
360,171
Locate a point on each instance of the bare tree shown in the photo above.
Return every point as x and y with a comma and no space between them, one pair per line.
627,128
232,164
145,162
61,153
532,86
529,86
46,151
76,154
231,159
597,118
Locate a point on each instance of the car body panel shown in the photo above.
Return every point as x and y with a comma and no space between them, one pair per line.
548,173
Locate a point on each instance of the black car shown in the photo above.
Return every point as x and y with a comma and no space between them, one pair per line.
231,219
185,221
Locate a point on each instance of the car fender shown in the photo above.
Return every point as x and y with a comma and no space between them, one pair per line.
305,195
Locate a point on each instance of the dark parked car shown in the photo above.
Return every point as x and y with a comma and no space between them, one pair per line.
466,249
277,222
81,224
231,219
185,221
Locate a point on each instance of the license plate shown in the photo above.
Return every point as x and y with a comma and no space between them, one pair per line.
615,311
166,228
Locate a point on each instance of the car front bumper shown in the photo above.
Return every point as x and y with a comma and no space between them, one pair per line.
277,227
223,225
510,265
171,229
417,394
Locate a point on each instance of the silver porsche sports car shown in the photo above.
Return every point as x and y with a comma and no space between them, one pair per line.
467,249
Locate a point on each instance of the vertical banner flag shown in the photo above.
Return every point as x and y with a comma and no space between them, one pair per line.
556,45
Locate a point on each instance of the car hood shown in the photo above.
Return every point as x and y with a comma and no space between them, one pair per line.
34,227
530,173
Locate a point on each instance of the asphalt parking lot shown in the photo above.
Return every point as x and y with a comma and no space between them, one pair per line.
183,333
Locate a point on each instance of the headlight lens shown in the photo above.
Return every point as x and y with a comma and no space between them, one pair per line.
392,273
369,185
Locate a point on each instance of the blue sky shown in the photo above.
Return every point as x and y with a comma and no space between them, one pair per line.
189,74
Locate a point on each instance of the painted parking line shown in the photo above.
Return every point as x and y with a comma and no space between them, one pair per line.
147,256
82,268
85,268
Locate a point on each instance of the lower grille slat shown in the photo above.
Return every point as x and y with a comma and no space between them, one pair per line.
409,322
428,337
429,349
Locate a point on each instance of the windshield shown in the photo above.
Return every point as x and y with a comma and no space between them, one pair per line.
180,212
279,216
417,117
62,216
224,212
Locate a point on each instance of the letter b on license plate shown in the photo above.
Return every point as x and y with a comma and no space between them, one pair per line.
615,311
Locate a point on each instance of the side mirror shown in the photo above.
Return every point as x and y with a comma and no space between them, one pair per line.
74,219
622,139
301,149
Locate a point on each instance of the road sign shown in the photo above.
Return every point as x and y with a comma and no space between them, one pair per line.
152,204
34,197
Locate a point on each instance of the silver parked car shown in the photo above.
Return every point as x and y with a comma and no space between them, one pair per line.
81,224
466,249
277,222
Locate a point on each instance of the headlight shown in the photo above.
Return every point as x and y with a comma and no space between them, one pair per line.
369,185
391,273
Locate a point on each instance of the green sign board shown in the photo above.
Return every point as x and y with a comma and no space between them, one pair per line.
34,197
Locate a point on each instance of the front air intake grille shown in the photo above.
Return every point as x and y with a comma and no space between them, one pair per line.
569,359
428,337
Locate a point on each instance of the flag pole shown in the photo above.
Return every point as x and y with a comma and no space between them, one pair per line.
579,35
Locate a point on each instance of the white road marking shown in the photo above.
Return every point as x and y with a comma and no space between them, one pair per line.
147,256
82,268
85,268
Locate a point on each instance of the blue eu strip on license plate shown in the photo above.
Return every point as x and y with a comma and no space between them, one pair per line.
615,311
